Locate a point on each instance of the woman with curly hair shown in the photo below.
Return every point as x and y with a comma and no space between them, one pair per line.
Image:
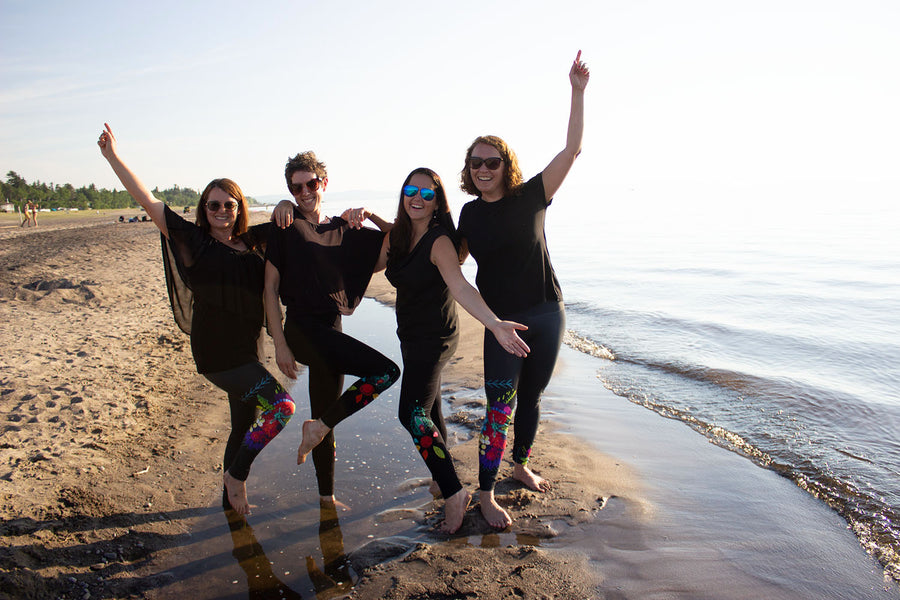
503,229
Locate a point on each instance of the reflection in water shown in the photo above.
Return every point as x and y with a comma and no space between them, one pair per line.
334,579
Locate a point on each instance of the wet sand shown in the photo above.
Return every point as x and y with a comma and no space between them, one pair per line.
110,471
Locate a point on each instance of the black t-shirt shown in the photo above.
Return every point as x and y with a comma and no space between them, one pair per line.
426,312
324,268
226,286
507,240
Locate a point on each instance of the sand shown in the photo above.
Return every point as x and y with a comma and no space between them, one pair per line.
110,470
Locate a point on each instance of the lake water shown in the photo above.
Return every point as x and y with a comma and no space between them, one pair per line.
773,331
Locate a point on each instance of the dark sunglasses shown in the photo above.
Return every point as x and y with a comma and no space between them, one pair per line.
492,163
312,185
215,205
427,194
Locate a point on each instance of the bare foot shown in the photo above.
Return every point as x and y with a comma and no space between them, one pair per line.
454,510
434,489
314,431
237,494
492,512
331,502
531,479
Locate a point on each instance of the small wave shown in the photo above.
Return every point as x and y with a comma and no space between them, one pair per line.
587,346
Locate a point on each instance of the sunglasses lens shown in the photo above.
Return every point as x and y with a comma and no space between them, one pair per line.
215,205
492,163
410,190
427,194
312,185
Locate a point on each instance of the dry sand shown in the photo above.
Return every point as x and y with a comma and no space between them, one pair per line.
111,442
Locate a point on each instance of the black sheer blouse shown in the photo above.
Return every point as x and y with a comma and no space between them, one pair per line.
324,268
216,292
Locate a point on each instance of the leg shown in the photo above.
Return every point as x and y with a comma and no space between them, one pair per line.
260,410
330,353
324,388
419,391
501,371
545,338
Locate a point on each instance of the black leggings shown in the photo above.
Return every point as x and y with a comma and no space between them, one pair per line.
329,353
420,413
517,383
260,408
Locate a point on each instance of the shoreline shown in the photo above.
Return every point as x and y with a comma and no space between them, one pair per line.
110,462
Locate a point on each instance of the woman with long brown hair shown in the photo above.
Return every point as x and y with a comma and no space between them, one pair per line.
220,259
422,258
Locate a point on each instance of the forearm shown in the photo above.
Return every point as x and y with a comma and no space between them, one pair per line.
381,223
575,132
273,314
469,298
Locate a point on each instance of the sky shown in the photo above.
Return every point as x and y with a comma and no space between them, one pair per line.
706,108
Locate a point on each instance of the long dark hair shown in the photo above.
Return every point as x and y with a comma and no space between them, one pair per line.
401,234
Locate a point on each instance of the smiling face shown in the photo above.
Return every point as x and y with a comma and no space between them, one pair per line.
490,184
308,200
419,210
222,220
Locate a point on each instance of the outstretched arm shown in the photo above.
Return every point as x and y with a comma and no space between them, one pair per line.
444,256
559,167
154,207
283,355
356,216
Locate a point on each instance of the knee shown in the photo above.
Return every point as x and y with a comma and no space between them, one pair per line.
393,372
284,405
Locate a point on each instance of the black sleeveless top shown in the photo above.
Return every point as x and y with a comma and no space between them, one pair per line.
427,324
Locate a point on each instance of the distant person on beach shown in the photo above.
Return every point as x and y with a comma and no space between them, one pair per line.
33,207
319,267
220,258
28,213
422,257
503,229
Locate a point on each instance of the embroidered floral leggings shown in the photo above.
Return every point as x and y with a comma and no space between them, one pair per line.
260,408
329,353
420,414
513,383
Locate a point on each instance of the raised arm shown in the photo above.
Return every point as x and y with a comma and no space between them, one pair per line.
556,171
283,355
445,258
154,207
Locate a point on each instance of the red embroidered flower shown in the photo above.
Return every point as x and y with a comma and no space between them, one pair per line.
367,388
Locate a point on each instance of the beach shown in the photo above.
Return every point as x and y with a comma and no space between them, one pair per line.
110,469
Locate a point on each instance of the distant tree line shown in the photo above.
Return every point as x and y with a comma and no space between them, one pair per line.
18,191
